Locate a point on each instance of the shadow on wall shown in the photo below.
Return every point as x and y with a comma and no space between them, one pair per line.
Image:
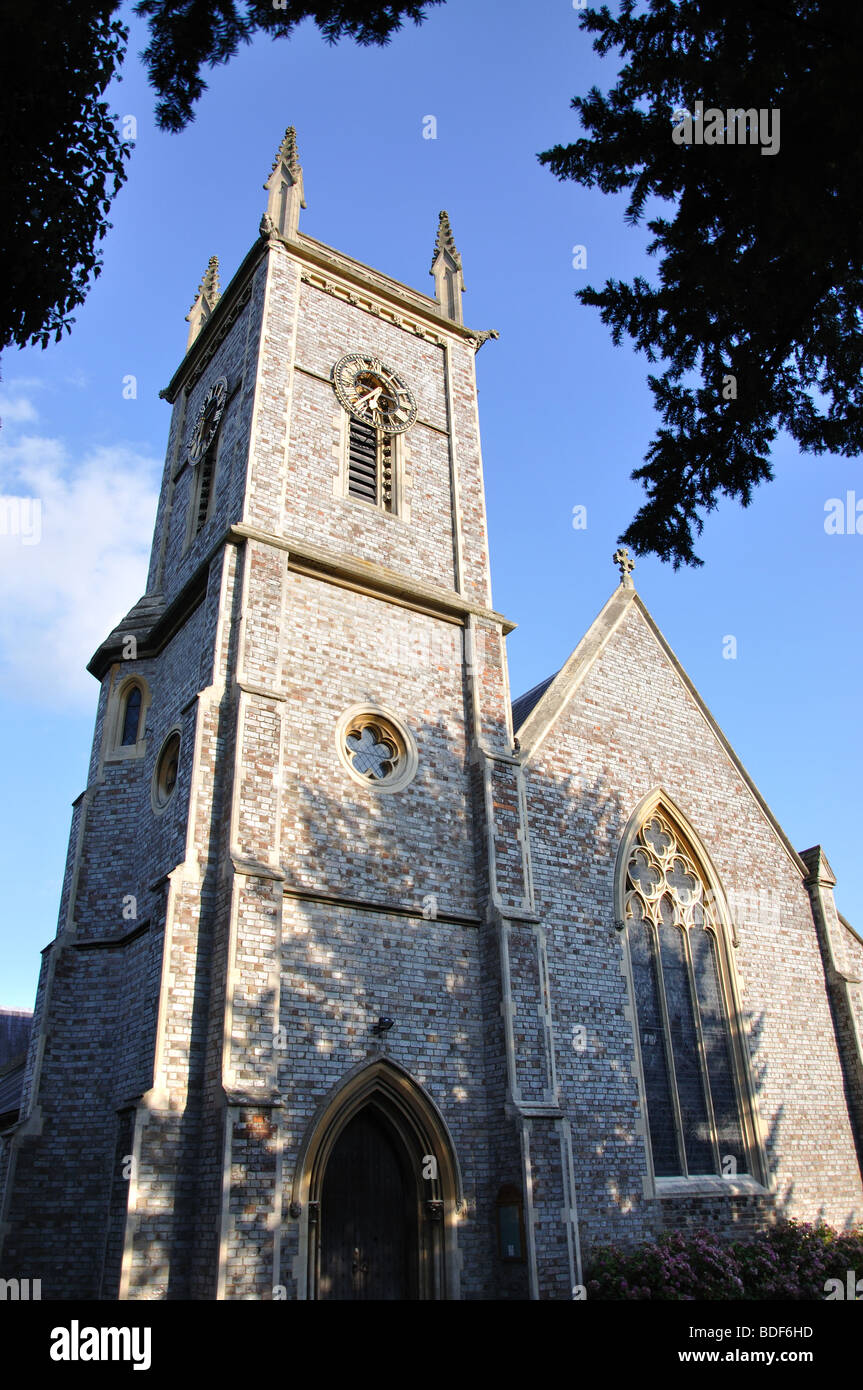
418,854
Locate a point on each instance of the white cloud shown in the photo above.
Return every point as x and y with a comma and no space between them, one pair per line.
69,581
16,409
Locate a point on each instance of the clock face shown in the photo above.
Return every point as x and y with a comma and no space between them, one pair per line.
371,391
209,415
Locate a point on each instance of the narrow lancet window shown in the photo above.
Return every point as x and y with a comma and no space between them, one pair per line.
131,716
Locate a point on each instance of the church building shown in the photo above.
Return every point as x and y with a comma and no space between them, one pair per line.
370,981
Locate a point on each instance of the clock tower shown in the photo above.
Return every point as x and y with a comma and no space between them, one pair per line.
293,1037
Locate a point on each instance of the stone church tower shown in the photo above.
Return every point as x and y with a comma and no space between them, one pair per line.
352,993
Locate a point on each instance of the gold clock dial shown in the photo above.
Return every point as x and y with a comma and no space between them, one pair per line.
371,391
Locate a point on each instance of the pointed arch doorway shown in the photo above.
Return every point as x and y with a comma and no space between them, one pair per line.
369,1214
377,1189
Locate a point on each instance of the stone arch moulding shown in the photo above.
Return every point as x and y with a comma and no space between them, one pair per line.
658,800
382,1083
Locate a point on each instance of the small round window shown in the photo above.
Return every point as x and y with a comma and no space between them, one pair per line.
376,748
166,770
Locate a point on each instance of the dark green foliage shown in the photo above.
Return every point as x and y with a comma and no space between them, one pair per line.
761,266
186,35
791,1260
62,160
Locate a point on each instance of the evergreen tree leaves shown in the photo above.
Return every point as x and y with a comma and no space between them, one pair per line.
755,309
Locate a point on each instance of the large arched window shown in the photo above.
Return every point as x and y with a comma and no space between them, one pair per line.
692,1065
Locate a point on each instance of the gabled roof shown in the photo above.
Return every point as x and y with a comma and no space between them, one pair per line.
522,707
555,694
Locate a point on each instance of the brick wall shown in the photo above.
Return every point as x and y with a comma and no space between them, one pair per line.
632,726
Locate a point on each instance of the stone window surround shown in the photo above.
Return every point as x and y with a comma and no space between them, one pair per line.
757,1181
409,753
115,751
400,509
159,807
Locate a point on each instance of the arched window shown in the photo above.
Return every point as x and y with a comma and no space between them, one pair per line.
125,725
690,1061
131,716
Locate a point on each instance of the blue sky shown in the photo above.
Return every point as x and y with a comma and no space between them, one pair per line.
565,415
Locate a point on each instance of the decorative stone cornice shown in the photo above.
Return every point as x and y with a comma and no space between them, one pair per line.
368,577
366,302
333,273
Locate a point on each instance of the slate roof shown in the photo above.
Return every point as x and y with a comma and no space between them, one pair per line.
522,707
15,1025
11,1086
138,623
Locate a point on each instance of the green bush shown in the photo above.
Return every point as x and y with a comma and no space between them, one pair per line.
790,1260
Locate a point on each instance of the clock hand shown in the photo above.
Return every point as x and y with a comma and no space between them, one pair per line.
367,399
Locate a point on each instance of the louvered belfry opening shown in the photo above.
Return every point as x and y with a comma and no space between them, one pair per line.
206,487
363,462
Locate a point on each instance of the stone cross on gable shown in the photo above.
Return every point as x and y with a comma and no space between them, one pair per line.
626,565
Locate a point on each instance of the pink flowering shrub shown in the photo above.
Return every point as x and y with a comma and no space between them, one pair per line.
790,1260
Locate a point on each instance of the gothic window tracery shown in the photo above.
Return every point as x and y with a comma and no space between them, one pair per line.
692,1089
376,748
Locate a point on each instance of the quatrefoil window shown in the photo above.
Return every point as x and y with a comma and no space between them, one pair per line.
372,753
376,748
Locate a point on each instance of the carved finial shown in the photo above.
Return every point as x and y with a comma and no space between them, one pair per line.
205,300
285,187
626,565
287,153
445,241
210,283
447,271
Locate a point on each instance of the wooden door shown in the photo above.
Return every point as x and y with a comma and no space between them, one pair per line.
368,1215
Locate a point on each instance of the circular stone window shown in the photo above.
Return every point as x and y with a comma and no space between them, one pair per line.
165,776
376,748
